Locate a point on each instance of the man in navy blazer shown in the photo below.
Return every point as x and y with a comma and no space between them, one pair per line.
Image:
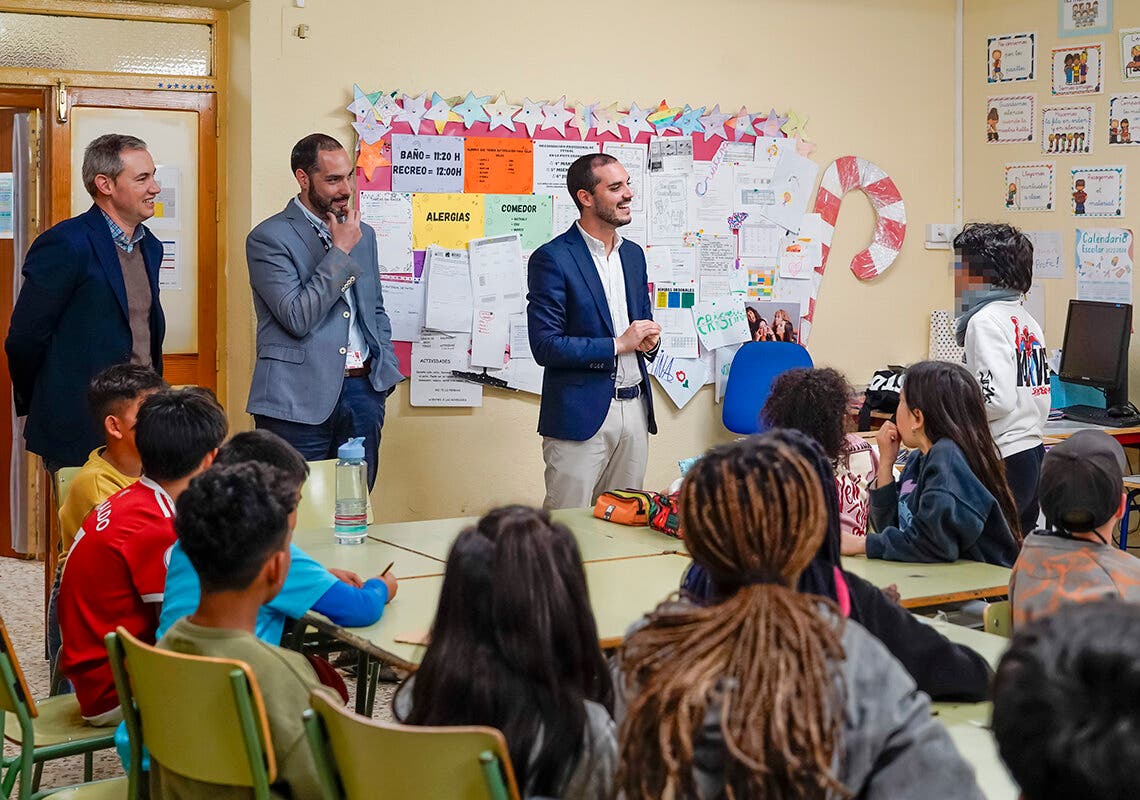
89,300
325,362
592,328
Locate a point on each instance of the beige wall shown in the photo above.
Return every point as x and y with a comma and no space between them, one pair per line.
876,78
984,176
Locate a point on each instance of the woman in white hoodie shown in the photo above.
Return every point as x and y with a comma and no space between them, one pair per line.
1005,350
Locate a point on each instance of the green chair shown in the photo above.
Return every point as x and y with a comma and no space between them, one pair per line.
46,730
996,619
356,756
318,497
199,717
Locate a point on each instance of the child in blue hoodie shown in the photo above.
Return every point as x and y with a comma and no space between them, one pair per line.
952,500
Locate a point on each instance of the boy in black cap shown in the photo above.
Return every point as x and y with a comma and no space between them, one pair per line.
1073,560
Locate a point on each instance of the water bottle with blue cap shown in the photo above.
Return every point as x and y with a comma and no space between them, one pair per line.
350,522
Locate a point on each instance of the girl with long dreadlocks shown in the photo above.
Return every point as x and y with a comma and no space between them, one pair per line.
770,693
952,500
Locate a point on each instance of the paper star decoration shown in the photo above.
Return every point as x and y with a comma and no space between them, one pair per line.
771,126
370,129
583,118
386,107
741,124
662,118
713,123
804,147
635,121
439,113
606,120
361,104
412,114
555,116
530,116
500,113
471,109
795,124
690,120
371,156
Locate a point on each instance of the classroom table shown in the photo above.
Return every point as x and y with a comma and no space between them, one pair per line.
1064,428
598,540
924,585
968,726
989,646
621,592
367,559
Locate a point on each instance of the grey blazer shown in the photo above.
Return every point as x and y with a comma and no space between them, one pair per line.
302,317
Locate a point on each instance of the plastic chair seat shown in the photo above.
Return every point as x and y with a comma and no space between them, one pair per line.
59,722
110,789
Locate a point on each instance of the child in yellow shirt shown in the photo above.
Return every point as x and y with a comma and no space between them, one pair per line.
114,397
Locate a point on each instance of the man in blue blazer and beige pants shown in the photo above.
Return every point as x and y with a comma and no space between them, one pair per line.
325,362
592,328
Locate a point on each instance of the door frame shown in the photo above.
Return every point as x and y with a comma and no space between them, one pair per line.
200,368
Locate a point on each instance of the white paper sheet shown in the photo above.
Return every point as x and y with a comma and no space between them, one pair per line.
448,300
752,188
390,215
792,185
489,338
672,310
760,240
681,378
634,157
1104,264
721,322
710,201
724,356
524,374
520,337
670,154
716,255
565,213
497,274
404,303
659,264
1048,257
803,252
551,160
668,209
434,356
769,149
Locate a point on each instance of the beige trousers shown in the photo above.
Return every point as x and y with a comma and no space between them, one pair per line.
613,458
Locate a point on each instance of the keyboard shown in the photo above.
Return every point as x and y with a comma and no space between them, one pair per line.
1099,416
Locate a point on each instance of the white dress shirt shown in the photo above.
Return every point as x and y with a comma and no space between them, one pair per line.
357,345
613,284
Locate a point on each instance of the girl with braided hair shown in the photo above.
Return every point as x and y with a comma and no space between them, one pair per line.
769,692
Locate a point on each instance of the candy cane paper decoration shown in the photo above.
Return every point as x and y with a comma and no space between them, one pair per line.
841,176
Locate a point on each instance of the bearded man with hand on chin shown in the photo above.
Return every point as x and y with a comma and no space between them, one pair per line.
325,362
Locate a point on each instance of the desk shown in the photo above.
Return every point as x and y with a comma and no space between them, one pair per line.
968,726
989,646
923,585
367,559
1064,428
621,592
598,540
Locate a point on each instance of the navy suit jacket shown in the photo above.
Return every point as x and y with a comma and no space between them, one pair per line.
572,335
69,323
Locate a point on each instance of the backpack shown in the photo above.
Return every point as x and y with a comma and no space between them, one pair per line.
882,394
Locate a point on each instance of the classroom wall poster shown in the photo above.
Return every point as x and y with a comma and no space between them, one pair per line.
498,166
1104,263
681,378
770,321
1029,187
1011,57
170,269
434,356
528,215
1123,119
7,205
1011,118
1048,259
168,201
1130,53
1097,191
1077,69
1080,17
1067,129
448,220
427,163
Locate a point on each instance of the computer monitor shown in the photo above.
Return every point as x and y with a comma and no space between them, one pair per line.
1095,351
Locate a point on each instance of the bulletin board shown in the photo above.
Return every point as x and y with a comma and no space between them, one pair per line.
461,190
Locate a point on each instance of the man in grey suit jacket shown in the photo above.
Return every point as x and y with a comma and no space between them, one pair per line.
325,362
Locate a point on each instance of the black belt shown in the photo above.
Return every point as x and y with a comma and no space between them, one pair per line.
360,372
628,392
